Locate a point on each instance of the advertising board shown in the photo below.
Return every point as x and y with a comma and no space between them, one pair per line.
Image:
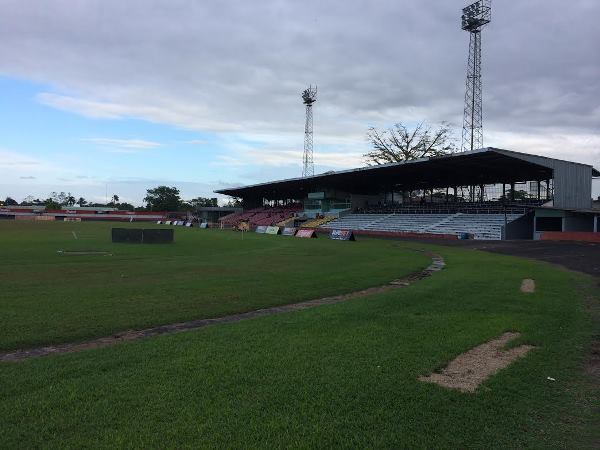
272,230
341,235
306,233
289,231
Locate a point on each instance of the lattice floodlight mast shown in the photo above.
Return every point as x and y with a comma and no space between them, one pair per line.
309,96
474,18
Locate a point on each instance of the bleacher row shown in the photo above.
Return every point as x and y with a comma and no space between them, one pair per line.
262,216
479,226
488,207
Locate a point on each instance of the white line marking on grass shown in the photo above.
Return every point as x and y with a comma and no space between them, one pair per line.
74,234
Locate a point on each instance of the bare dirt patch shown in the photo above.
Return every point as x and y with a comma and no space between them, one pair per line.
468,370
528,286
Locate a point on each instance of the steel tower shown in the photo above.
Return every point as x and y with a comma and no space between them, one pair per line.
474,18
309,96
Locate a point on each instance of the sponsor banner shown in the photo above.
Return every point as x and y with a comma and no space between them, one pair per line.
72,219
306,233
341,235
204,225
168,222
158,222
261,229
272,230
289,231
188,224
50,218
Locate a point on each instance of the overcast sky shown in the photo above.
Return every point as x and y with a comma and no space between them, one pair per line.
118,96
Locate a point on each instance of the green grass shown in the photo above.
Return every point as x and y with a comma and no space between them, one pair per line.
342,375
51,298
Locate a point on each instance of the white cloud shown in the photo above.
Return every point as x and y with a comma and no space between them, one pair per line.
127,145
237,69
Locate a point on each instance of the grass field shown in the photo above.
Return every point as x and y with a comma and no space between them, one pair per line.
342,375
55,298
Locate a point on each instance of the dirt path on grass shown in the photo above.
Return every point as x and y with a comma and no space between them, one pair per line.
437,264
468,370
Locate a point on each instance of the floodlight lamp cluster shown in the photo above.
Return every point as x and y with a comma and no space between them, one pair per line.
476,15
309,96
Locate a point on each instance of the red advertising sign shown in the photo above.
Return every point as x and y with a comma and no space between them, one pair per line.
306,233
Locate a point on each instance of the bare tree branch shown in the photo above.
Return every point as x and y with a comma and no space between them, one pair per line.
398,143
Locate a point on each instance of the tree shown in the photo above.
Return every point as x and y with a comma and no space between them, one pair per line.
399,143
200,202
518,195
70,200
50,203
10,202
81,201
114,199
163,198
29,201
234,203
126,207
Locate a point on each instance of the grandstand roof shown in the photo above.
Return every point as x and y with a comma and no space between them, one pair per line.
484,166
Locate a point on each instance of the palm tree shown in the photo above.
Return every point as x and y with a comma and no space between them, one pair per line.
70,200
115,199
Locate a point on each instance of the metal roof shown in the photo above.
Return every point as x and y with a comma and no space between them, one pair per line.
483,166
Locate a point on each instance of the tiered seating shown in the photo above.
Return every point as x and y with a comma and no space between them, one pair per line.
489,207
481,226
262,216
356,222
315,223
286,222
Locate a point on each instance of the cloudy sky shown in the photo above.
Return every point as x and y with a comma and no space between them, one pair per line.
118,96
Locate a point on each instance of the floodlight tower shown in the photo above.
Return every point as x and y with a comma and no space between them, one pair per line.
309,96
474,18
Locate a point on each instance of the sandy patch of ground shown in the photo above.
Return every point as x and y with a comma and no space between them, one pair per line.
528,286
468,370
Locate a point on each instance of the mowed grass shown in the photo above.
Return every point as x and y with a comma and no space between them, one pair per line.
49,297
342,375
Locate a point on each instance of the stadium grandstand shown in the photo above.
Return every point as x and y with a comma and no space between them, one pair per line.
488,193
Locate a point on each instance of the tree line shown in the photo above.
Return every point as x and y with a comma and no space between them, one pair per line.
160,198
